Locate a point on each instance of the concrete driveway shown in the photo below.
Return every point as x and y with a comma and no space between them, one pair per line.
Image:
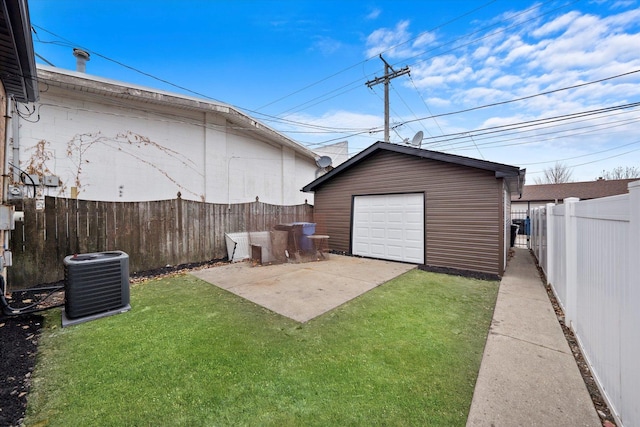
306,290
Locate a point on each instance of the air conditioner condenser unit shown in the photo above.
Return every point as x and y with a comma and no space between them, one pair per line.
96,285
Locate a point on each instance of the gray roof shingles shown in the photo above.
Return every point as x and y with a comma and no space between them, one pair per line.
582,190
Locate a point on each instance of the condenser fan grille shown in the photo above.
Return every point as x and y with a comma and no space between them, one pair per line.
96,283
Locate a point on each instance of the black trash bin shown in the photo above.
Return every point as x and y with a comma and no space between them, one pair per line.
520,222
514,233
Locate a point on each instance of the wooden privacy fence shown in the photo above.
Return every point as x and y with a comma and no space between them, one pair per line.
154,234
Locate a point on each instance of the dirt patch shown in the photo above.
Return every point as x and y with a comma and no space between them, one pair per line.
457,272
19,337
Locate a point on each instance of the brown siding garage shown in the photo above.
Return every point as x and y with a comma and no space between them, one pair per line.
464,206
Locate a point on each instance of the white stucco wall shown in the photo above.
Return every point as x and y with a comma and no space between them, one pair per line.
120,150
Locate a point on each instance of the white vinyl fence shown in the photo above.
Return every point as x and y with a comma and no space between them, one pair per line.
590,252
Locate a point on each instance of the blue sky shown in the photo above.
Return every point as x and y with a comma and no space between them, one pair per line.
301,68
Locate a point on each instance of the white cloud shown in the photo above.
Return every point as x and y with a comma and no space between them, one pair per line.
622,3
506,81
480,96
438,102
349,122
484,76
348,119
443,69
374,14
326,45
315,139
522,51
556,25
508,45
481,52
624,19
397,42
424,39
542,54
383,39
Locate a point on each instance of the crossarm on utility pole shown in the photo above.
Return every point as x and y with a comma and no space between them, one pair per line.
389,73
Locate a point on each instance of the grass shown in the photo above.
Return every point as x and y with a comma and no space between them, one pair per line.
190,354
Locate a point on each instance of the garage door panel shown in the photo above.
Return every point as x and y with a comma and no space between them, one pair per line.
414,254
395,233
395,251
377,249
413,217
378,233
361,232
415,235
394,227
395,218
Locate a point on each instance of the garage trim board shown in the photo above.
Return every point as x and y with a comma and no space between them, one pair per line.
389,226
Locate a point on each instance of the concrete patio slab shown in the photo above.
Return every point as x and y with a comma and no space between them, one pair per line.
306,290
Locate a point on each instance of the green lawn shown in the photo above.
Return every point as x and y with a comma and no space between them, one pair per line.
190,354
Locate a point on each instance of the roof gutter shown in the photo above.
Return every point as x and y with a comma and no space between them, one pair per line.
17,19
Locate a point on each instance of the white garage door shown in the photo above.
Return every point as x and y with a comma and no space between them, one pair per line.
389,227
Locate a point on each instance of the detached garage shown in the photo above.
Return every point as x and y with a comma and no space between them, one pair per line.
407,204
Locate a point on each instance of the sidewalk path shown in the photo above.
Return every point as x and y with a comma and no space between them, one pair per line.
528,375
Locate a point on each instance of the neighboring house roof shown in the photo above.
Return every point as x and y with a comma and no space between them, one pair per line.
78,81
512,174
17,61
583,190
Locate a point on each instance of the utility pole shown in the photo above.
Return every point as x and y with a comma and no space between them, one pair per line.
389,73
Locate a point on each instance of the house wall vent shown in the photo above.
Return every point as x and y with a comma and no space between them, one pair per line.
96,285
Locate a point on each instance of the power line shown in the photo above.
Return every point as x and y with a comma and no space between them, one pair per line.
593,161
308,104
554,135
69,43
531,123
426,106
583,155
389,74
495,104
374,56
346,132
319,99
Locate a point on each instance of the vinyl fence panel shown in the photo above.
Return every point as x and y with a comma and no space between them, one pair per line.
593,266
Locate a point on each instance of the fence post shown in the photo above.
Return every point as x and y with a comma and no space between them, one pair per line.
634,236
630,320
571,260
549,241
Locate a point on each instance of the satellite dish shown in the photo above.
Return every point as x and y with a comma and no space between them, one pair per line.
417,139
324,162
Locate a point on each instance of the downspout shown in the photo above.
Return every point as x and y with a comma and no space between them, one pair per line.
15,143
204,154
521,174
7,138
4,237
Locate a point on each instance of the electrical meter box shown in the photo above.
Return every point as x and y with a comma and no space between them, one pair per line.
7,222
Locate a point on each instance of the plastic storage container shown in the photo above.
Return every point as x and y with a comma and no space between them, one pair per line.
306,229
298,232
